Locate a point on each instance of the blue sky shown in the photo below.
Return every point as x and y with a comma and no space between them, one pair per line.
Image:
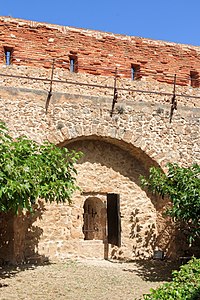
170,20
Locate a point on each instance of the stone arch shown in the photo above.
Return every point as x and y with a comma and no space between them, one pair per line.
146,160
114,166
122,136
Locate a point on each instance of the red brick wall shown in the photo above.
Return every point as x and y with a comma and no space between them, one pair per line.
97,53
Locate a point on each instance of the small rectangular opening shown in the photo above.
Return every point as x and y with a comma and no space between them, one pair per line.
8,55
73,64
194,79
135,72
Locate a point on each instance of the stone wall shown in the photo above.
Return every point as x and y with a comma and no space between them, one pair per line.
141,119
117,149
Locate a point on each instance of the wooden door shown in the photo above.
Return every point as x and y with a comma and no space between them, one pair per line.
114,219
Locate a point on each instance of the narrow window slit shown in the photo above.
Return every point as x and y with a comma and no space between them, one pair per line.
8,55
135,72
73,64
194,79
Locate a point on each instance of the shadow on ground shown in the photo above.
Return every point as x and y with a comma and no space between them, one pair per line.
154,270
11,271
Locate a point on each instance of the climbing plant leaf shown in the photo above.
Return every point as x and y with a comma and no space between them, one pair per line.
182,186
29,171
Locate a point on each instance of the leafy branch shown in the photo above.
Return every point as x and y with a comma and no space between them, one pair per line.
29,171
182,186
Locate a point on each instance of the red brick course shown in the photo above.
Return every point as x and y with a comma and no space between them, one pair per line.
98,53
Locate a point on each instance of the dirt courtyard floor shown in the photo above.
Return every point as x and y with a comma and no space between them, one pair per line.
83,280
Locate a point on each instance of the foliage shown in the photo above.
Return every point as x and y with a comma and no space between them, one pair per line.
182,186
29,171
185,284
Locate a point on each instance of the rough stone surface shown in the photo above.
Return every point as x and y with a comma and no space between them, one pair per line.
97,53
117,149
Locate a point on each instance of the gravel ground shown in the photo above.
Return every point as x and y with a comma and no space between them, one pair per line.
82,280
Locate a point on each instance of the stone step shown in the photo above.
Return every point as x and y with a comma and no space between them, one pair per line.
91,242
91,248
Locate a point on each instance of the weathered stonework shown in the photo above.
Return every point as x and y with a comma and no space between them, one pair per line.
117,149
98,53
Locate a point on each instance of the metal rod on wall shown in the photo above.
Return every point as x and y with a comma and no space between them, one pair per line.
174,101
98,86
51,84
115,95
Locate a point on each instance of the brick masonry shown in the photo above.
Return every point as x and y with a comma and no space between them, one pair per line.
97,53
117,149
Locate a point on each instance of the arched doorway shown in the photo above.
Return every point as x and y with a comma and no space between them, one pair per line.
104,172
94,218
